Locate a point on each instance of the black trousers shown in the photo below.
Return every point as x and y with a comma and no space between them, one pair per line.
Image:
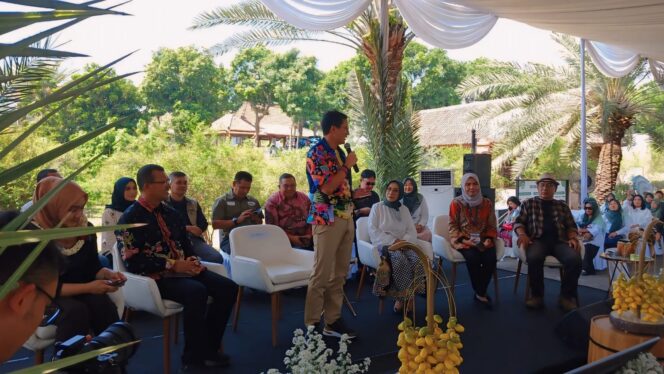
481,266
203,326
81,314
568,257
591,252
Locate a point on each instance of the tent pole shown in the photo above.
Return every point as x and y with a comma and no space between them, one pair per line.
584,154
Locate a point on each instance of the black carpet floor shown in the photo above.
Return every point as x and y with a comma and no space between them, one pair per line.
507,339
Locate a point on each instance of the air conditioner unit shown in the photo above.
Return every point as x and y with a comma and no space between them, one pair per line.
436,185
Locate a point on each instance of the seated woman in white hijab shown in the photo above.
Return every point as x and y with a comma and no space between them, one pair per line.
390,223
419,210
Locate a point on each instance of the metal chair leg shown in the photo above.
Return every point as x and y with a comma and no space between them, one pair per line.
237,307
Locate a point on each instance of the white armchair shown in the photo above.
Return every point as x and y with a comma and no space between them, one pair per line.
369,253
141,293
443,249
44,337
262,258
549,261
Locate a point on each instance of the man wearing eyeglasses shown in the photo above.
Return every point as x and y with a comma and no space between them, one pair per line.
162,250
364,197
30,304
546,227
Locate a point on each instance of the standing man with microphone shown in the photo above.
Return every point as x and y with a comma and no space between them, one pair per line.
329,176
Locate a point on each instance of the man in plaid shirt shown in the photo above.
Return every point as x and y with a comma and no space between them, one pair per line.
546,227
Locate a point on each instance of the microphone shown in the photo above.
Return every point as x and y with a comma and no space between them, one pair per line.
348,150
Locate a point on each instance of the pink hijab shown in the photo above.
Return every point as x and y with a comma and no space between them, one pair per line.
58,207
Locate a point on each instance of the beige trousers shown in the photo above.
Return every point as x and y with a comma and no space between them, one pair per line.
333,246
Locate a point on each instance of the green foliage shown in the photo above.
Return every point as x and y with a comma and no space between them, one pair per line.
186,79
16,193
210,163
433,76
446,158
653,123
96,108
296,87
334,86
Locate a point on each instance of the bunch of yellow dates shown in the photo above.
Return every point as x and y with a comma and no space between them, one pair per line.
641,296
425,351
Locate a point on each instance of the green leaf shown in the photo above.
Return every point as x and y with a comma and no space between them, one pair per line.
32,129
23,218
18,170
8,286
8,238
52,366
61,93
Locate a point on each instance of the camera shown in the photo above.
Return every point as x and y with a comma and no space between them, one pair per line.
110,363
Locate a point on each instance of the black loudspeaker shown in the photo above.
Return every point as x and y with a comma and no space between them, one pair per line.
479,164
574,328
489,193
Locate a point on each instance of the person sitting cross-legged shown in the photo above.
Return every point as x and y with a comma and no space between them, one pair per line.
162,250
288,208
193,216
546,227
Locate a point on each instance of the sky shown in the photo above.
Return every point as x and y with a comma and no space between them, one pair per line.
164,23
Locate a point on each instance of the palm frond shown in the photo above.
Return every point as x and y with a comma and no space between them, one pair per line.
270,37
250,13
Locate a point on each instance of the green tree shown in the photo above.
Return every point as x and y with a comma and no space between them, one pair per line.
188,79
251,70
96,108
547,108
296,88
433,76
382,103
334,85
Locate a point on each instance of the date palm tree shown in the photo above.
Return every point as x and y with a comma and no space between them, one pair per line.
548,108
385,91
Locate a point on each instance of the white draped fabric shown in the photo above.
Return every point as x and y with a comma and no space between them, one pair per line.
445,25
317,15
614,27
657,69
612,61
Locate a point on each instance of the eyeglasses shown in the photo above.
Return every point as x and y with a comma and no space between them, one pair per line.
588,208
371,183
547,184
159,182
52,310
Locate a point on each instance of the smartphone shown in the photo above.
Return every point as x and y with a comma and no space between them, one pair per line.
258,212
116,283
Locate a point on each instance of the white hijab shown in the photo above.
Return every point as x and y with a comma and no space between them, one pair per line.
471,201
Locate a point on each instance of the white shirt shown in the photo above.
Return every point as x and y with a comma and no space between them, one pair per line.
387,225
640,217
421,215
110,217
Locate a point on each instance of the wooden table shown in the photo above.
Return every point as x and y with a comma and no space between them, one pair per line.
606,340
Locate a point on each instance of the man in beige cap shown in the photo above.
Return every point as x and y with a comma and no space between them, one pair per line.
546,227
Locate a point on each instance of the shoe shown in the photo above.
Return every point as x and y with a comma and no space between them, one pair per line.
535,302
337,329
218,360
586,272
488,304
567,304
191,368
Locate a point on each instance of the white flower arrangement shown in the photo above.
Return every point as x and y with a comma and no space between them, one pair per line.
644,363
309,354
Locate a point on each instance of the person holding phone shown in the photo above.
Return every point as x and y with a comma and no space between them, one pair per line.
288,208
85,305
162,250
236,208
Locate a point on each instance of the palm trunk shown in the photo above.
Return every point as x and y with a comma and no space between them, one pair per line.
610,156
607,170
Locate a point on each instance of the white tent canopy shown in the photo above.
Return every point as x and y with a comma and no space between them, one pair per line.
619,31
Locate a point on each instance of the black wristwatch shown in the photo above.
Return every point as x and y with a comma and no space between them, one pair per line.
234,221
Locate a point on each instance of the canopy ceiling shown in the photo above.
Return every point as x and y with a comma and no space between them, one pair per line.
619,31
